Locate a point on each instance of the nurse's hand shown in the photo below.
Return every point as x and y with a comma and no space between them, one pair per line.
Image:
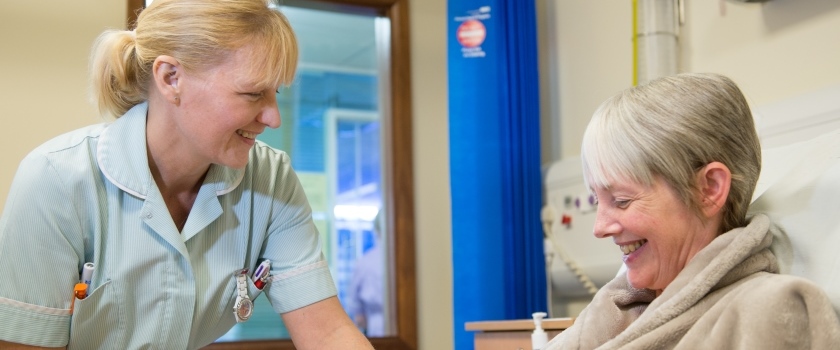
324,325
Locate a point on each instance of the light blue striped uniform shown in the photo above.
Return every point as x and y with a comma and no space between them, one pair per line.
88,196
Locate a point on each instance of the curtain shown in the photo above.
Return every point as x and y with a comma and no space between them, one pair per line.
497,245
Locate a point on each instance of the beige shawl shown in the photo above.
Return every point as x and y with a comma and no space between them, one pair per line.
729,296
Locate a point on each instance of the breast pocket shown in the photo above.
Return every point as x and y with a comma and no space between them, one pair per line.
97,321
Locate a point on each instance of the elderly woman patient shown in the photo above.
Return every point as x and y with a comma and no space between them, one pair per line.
673,165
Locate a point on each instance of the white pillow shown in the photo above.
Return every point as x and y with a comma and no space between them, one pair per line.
799,189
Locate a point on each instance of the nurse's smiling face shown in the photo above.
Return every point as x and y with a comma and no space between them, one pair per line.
223,109
656,231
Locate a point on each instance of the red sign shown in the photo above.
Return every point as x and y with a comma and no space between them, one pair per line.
471,33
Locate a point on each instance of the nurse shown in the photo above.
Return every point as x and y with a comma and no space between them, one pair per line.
175,203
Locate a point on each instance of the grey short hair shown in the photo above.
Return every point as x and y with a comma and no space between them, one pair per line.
672,127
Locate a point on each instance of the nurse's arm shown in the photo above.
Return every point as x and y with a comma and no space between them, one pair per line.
13,346
324,325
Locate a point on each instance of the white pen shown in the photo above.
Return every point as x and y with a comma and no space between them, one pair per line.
87,274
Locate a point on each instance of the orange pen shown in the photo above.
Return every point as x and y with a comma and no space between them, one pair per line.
79,292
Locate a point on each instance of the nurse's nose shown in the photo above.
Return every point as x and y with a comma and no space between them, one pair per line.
270,114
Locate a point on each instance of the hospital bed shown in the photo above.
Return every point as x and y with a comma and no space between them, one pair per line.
800,190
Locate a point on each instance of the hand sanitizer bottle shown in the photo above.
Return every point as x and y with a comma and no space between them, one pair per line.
539,337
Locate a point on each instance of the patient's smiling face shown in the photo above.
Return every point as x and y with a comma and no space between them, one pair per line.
656,231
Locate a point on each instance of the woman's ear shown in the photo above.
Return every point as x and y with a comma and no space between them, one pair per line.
167,72
714,181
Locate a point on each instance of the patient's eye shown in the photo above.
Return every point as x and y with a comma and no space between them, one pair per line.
622,203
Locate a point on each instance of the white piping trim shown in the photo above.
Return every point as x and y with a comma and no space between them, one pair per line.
108,176
233,184
298,271
36,308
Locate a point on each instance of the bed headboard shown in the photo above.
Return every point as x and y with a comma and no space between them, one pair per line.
799,118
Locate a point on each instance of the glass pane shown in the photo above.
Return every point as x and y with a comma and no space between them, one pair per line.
331,128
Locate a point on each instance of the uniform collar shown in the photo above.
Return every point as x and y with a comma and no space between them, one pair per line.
123,159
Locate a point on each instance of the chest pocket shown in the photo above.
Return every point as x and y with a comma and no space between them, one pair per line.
97,321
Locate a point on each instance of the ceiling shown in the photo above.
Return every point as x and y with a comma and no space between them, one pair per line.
332,40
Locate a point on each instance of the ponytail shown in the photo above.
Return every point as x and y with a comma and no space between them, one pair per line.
118,77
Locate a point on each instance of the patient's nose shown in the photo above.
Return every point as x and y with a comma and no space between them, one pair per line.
605,223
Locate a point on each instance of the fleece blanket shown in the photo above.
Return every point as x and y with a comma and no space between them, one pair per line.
729,296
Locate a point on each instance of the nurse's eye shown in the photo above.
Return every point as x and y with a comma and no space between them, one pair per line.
253,96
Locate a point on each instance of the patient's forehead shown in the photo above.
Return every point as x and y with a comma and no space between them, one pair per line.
605,182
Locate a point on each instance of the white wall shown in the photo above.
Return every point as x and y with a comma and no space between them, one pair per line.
44,49
592,59
775,51
433,213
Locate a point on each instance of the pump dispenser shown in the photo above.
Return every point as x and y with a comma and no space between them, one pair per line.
539,337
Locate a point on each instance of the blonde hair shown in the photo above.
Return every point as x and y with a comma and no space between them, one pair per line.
199,34
672,127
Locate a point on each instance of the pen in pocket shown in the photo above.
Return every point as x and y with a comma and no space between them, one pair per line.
87,275
261,274
80,290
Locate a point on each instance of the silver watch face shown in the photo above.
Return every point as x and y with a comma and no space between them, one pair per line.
243,308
